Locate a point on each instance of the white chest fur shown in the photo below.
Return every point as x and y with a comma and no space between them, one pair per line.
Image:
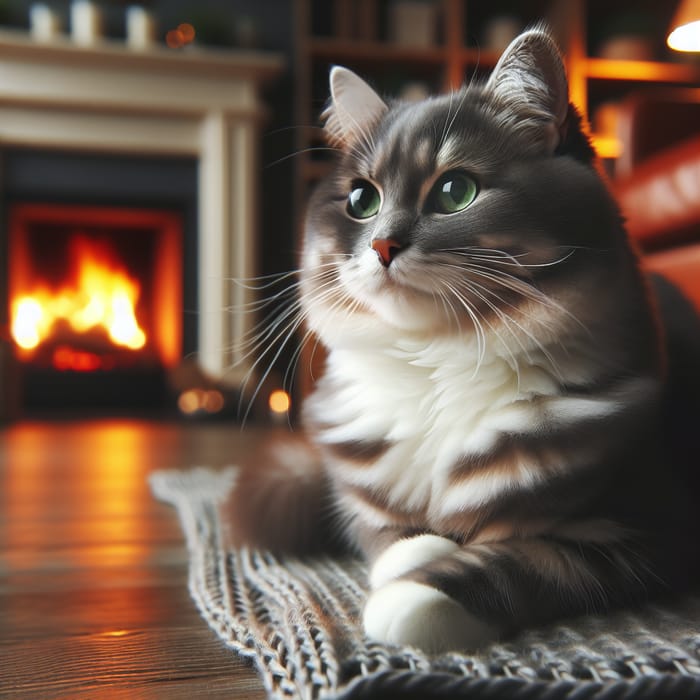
436,402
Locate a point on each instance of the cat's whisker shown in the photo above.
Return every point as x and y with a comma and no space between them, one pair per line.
528,291
258,340
289,156
449,308
481,292
343,301
283,338
447,123
290,372
268,280
504,257
277,332
266,373
508,281
511,260
506,346
478,328
327,294
515,284
507,320
531,293
280,330
257,305
448,296
463,96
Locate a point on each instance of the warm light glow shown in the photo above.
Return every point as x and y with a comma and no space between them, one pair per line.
183,35
685,27
174,39
189,401
98,293
187,31
28,318
193,400
280,401
213,401
685,38
65,359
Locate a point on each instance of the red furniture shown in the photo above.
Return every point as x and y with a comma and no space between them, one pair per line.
660,197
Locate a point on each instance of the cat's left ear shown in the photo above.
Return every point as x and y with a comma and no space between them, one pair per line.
531,79
354,108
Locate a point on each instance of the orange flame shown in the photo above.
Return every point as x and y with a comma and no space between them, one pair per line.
99,294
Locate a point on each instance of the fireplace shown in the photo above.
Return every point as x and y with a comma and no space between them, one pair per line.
165,251
95,299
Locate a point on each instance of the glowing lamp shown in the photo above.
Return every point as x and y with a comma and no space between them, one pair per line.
685,27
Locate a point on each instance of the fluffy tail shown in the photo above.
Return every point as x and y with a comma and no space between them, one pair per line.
282,503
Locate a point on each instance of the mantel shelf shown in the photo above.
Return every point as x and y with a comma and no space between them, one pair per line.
192,61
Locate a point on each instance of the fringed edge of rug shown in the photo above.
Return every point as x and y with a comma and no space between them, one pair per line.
195,495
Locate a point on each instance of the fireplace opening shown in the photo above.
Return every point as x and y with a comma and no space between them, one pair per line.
97,249
95,297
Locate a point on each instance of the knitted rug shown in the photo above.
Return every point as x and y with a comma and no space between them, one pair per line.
298,622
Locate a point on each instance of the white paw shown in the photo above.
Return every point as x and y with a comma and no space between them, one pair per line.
408,554
412,614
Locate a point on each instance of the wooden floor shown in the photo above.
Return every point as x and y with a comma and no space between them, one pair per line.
93,571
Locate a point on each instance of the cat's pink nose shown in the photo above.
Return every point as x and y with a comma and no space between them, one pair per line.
386,249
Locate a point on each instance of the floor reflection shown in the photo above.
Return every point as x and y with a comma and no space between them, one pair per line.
72,494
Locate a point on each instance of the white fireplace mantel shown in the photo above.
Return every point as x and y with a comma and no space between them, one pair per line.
112,99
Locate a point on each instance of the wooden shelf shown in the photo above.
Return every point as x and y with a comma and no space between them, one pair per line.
372,51
642,71
478,58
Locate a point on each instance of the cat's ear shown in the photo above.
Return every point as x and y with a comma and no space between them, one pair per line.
354,107
531,79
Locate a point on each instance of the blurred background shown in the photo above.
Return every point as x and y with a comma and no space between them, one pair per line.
155,157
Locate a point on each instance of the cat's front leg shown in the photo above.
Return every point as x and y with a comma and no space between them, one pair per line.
402,611
435,594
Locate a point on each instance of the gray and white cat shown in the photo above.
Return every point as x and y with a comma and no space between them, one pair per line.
492,417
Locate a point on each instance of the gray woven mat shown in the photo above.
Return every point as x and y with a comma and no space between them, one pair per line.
298,624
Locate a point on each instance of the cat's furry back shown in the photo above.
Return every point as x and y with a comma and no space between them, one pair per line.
490,416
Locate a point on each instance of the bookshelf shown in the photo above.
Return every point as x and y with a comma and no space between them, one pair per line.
359,34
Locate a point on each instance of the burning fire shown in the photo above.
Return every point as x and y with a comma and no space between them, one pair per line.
98,294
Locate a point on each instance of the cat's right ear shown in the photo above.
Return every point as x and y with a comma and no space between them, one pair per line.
353,109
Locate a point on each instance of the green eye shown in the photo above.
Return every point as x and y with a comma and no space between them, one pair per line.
364,200
453,192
